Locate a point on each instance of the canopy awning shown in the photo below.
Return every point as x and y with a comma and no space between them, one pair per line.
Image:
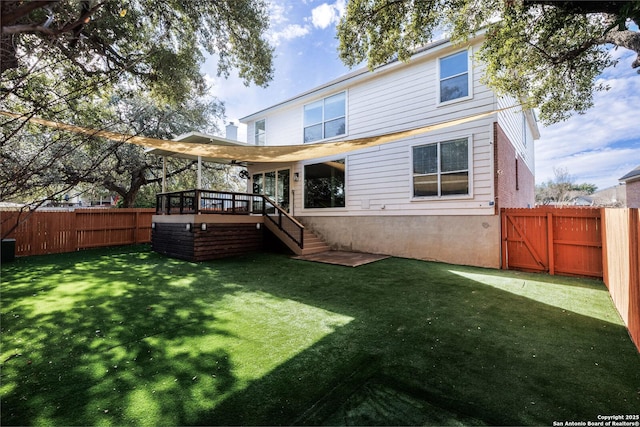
198,138
223,150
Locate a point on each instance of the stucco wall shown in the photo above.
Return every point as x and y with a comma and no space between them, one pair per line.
466,240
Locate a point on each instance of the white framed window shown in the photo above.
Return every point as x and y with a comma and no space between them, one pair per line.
454,77
442,168
260,132
324,184
325,118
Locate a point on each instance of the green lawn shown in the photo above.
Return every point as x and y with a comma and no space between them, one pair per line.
125,336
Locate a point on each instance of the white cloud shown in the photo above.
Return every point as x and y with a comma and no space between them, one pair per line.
602,145
289,32
327,14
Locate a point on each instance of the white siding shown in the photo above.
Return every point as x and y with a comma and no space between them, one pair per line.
379,179
515,126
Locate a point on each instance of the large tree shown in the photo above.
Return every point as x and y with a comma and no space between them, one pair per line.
80,61
40,164
546,53
157,44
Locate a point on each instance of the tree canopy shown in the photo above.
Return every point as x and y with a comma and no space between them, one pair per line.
158,45
546,53
132,66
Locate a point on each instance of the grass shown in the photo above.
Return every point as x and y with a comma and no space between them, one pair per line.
124,336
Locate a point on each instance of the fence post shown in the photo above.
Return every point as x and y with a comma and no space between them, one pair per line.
551,256
503,236
605,246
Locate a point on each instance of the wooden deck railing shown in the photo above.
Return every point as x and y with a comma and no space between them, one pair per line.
198,202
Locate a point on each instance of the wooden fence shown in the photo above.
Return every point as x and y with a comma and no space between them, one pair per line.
621,259
594,242
554,240
50,232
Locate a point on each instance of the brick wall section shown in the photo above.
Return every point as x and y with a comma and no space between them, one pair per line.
513,190
633,193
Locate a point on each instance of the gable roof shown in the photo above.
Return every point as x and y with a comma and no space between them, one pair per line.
631,176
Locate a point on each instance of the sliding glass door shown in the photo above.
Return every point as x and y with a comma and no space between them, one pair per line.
275,185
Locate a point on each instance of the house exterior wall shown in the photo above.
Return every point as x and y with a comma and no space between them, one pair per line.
633,193
453,239
381,214
514,189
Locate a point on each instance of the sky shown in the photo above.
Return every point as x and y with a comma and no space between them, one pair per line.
597,147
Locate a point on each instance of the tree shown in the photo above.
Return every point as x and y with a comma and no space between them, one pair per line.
158,45
545,53
562,190
40,163
76,60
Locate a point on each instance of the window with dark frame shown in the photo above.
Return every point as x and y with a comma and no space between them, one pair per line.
441,169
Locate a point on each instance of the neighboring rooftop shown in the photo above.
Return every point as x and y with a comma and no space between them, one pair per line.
631,176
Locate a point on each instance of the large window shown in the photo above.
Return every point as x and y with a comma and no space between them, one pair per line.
324,185
260,132
441,169
325,118
454,76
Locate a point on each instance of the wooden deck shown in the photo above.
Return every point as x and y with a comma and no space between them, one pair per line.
348,259
199,225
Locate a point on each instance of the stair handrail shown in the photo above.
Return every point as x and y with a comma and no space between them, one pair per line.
281,213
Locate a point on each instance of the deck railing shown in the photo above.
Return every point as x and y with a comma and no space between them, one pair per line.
198,202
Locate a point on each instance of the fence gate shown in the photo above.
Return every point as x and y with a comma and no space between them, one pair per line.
565,241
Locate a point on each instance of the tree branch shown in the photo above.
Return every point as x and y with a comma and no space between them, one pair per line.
627,39
9,17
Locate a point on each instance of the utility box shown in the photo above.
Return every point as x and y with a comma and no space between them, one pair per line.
8,250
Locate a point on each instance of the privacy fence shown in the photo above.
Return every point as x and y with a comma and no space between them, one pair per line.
594,242
50,232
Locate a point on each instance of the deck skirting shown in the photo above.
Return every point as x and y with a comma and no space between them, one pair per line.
217,240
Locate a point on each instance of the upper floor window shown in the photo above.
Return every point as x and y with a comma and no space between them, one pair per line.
454,76
441,169
325,118
260,132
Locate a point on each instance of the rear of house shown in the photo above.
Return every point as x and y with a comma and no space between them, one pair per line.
434,196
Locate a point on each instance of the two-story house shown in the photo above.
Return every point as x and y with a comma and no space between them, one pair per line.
433,196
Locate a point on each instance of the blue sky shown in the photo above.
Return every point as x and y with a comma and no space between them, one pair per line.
598,147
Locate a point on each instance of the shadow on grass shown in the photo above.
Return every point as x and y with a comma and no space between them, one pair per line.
127,337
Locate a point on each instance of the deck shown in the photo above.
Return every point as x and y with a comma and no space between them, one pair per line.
200,225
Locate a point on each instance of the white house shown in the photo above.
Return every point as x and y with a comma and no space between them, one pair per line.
434,196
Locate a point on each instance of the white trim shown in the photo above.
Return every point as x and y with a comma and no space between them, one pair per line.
469,96
470,167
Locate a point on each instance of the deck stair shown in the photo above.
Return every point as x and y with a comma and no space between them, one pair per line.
313,244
